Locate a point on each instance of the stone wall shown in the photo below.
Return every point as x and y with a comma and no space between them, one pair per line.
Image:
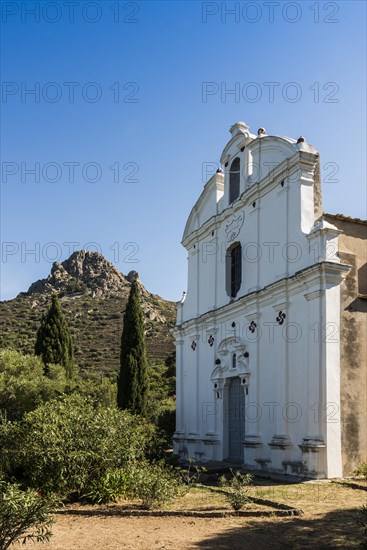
353,341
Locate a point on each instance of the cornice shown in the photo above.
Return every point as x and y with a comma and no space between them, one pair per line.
322,275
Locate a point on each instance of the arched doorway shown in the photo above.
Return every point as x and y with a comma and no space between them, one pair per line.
230,380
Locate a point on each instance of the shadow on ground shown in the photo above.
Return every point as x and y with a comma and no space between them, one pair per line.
337,529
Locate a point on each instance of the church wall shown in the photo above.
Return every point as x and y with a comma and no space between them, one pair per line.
287,386
207,272
331,372
190,307
353,343
270,232
277,327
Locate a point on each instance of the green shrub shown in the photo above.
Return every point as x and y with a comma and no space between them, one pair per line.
68,446
24,515
23,385
237,485
190,475
161,399
9,437
109,487
361,471
153,484
102,393
166,419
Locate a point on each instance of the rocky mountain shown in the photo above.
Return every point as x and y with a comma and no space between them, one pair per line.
93,294
85,271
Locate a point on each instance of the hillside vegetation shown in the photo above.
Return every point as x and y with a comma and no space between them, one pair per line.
93,296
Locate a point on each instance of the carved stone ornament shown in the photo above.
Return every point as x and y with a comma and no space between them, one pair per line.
252,326
223,364
280,318
233,228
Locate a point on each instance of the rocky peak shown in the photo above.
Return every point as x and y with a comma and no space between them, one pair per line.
84,271
90,273
92,269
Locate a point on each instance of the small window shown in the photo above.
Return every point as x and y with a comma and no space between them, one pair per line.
234,361
234,270
234,180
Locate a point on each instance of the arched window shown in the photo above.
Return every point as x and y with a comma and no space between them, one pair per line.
233,269
234,361
234,180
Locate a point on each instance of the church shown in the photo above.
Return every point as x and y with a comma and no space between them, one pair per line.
271,334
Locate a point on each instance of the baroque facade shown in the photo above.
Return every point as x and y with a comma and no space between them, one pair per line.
270,336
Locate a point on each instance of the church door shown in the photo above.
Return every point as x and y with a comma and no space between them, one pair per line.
236,419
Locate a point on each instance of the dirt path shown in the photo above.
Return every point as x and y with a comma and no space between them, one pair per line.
329,522
113,533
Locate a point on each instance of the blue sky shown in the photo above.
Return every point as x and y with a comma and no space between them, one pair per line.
123,85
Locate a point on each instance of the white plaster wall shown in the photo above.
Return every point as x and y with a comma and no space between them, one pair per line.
293,373
272,236
284,395
331,413
207,272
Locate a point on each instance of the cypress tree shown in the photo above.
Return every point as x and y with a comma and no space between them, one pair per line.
53,341
133,381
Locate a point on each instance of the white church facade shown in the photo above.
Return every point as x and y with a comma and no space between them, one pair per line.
266,375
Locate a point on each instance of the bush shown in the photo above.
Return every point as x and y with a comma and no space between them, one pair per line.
166,419
24,515
68,446
109,487
361,471
161,399
237,495
101,392
23,385
189,476
153,484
